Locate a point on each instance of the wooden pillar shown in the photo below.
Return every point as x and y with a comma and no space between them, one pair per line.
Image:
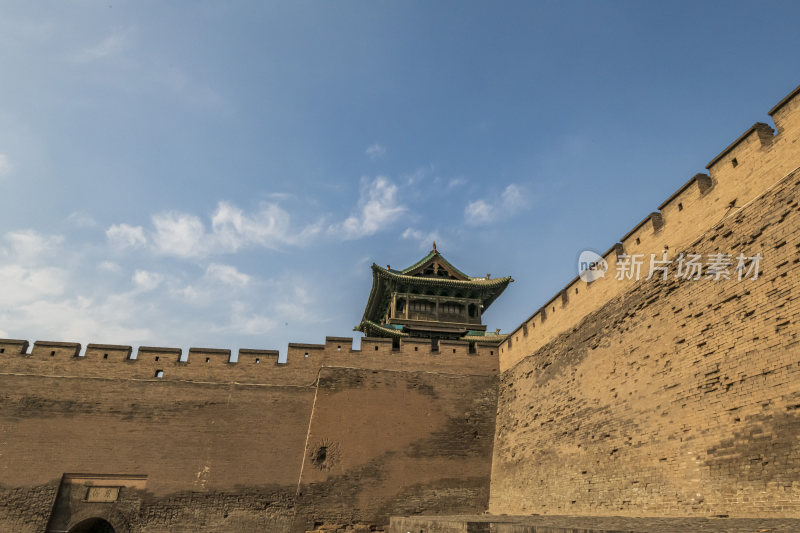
408,304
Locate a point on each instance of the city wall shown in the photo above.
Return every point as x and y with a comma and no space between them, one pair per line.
745,169
674,397
257,366
223,446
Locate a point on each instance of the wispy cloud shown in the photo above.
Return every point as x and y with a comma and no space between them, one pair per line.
29,243
227,275
487,211
107,47
375,151
424,239
5,166
231,229
378,207
81,219
126,236
146,281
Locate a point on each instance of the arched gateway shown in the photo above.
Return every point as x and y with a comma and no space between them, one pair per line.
93,525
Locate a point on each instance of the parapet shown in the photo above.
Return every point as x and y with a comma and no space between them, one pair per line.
741,172
255,366
109,351
13,346
52,349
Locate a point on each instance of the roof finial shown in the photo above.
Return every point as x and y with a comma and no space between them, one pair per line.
434,246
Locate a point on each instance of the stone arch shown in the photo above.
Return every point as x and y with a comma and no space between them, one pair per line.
110,521
93,525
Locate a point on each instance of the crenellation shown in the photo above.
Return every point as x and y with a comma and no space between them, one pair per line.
782,113
479,356
108,352
13,346
158,354
340,344
759,135
209,355
53,349
259,357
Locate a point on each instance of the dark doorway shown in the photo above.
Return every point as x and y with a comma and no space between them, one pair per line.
93,525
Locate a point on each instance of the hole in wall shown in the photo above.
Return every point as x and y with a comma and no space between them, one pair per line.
156,358
305,354
454,350
2,350
376,347
638,240
680,206
325,455
208,359
338,348
491,352
105,356
735,162
416,348
52,353
258,361
159,374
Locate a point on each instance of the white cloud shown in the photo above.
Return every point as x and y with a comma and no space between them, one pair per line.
374,151
513,198
482,212
109,46
455,182
108,266
80,319
378,207
227,274
30,243
478,212
146,281
5,166
418,175
178,234
23,284
232,228
125,236
425,240
81,219
185,235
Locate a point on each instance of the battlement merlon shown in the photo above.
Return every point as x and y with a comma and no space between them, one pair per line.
783,110
13,346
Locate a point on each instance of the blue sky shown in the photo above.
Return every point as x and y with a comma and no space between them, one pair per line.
223,173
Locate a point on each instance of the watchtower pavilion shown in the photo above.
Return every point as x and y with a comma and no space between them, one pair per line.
432,299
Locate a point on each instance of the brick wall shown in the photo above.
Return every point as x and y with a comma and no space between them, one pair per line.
675,398
385,443
227,455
